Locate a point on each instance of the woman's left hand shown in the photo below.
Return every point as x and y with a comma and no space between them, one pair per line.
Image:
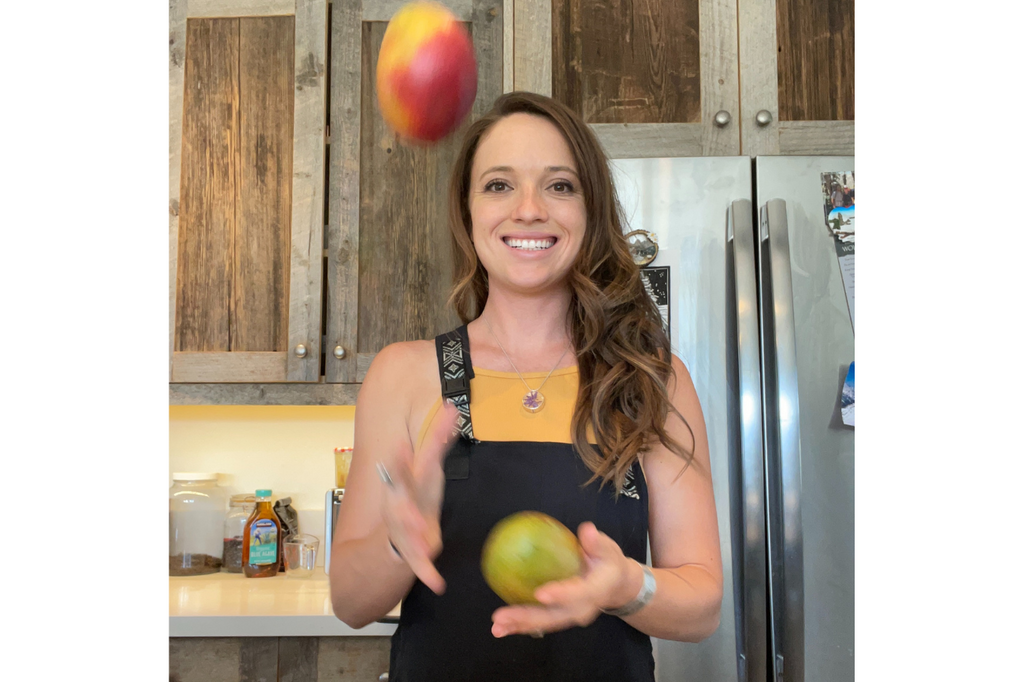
609,580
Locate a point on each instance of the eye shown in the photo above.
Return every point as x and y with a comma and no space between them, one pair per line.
496,186
563,187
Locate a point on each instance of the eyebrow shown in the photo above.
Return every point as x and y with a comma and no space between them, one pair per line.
508,169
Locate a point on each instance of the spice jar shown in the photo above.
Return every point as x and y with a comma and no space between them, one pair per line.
239,510
197,509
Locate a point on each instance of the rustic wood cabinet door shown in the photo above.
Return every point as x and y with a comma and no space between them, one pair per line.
656,78
796,67
247,112
388,258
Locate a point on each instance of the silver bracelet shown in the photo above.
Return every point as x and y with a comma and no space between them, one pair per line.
641,600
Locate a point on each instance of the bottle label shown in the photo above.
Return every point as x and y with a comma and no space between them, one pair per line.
263,542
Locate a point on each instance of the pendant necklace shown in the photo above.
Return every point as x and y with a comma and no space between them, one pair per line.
533,401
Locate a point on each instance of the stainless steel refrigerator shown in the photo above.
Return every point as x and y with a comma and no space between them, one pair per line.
757,310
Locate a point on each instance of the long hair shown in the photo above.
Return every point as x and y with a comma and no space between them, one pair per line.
623,353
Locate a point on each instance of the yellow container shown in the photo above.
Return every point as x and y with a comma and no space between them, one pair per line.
342,462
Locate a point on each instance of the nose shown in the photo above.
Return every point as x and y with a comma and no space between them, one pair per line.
530,206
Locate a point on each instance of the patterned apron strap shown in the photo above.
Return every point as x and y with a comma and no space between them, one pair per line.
456,369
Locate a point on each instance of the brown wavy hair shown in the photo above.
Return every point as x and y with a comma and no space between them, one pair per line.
623,353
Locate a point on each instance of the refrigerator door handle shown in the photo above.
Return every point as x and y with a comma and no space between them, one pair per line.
747,456
781,443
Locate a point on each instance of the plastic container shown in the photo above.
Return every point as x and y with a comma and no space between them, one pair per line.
261,540
240,508
197,510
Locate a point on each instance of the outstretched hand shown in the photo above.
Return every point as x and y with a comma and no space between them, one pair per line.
609,580
411,507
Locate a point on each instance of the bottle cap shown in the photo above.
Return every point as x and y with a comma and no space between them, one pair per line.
263,493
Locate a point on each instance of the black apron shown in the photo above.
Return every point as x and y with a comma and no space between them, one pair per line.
448,638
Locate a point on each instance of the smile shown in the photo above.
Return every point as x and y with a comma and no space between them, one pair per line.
530,244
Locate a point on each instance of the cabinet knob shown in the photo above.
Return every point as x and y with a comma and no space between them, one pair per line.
763,118
339,352
722,118
300,351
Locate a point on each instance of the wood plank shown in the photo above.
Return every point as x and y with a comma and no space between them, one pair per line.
343,202
405,260
229,366
625,62
209,164
532,52
264,394
643,140
383,10
176,81
200,659
341,659
759,77
488,40
239,8
719,79
305,292
363,363
508,46
816,138
259,316
815,60
297,658
258,659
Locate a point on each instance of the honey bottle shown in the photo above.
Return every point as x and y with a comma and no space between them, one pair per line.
261,540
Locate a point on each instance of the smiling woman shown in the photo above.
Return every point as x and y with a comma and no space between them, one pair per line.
571,405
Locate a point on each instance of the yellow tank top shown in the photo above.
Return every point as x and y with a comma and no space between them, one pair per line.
496,407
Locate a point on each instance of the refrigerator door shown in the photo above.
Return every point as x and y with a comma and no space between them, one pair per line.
685,202
808,345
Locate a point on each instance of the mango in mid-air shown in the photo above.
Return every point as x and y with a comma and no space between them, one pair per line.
525,550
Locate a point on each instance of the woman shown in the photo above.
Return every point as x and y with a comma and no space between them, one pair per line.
576,408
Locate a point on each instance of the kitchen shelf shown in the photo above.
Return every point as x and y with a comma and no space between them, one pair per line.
230,605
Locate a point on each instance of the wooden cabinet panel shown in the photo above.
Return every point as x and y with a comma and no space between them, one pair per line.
815,66
388,249
627,63
247,145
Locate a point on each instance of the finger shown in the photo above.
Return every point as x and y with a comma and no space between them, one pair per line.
425,570
563,592
596,544
529,620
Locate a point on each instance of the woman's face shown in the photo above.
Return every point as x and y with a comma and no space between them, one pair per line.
525,202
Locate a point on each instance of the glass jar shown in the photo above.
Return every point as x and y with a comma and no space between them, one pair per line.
198,508
239,510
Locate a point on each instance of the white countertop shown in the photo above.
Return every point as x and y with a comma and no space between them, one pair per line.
231,605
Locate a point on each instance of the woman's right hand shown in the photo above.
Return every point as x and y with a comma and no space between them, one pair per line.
411,506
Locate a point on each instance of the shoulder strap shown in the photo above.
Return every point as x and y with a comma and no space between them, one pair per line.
456,370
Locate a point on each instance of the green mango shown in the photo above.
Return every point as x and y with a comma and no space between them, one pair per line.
525,550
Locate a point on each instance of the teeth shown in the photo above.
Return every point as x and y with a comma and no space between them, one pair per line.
530,244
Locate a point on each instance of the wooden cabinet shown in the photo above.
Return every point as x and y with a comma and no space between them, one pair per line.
796,67
389,264
663,78
273,280
247,92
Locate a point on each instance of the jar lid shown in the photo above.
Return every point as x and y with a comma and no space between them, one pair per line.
263,493
193,477
244,498
337,450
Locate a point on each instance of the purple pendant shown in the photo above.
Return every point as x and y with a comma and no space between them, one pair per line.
533,401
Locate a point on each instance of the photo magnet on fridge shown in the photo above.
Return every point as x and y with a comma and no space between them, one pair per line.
656,282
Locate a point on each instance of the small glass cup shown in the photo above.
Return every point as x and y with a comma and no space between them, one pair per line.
300,555
342,462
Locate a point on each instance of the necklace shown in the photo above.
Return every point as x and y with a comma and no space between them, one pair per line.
533,401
